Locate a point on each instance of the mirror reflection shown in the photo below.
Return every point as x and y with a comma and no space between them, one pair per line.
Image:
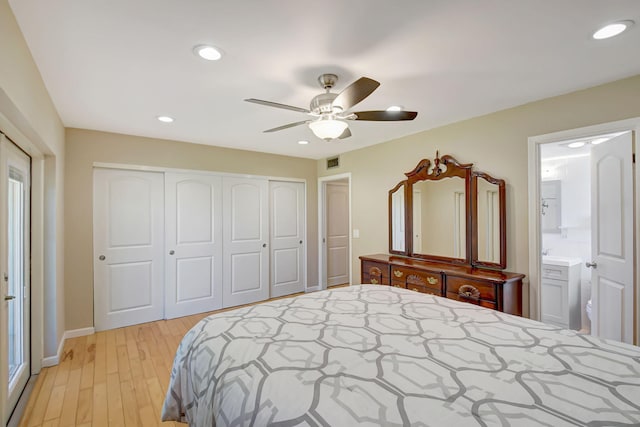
439,219
488,202
397,219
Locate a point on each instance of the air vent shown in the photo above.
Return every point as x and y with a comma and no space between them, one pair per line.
333,162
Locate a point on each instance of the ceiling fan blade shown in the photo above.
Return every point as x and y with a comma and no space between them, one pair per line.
277,105
355,92
385,116
290,125
345,134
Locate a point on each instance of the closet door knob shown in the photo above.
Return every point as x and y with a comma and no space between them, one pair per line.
171,252
102,257
300,241
264,245
591,264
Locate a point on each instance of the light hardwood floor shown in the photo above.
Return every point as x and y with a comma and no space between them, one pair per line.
111,378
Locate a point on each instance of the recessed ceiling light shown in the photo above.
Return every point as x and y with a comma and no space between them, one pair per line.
576,144
599,141
303,142
612,30
395,108
207,52
165,119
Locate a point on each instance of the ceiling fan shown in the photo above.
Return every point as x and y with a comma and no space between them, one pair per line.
328,110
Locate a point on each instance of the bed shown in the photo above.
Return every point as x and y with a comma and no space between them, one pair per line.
379,355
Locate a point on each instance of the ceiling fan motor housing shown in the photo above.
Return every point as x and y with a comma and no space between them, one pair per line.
323,104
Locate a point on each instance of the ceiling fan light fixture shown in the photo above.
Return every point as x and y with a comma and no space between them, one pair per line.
207,52
327,128
395,108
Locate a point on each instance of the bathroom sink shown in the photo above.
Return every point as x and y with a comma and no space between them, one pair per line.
560,260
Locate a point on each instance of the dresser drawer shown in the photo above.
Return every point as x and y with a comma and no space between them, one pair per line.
480,302
417,278
398,284
557,272
376,273
424,290
471,289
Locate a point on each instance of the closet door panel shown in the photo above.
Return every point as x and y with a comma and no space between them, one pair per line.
287,225
128,233
246,234
193,210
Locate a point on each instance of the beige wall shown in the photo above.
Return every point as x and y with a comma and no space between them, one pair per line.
495,143
86,147
28,116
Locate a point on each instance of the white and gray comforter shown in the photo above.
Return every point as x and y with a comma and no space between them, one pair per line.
378,355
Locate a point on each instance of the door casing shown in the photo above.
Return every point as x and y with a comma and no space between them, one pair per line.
534,179
322,208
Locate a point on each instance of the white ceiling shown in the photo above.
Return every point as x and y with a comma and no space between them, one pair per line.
114,65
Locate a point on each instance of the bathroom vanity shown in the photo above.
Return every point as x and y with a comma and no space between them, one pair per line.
560,290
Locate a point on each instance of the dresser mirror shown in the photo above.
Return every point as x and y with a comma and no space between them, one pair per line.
398,219
489,214
439,218
439,207
447,212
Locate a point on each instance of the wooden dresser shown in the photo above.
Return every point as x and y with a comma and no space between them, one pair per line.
498,290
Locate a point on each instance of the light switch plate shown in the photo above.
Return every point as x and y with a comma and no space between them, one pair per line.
356,233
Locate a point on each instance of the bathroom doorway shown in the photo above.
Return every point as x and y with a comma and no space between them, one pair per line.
584,214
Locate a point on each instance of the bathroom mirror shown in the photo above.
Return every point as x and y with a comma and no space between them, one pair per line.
398,219
439,208
550,206
489,217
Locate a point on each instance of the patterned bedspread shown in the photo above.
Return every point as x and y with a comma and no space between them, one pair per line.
378,355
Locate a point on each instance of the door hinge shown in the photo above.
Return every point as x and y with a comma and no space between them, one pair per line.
633,158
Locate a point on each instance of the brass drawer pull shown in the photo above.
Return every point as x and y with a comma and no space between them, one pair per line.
432,280
397,286
374,281
415,289
397,273
469,292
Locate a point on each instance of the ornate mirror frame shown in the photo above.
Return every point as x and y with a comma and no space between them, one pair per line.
502,221
425,172
402,186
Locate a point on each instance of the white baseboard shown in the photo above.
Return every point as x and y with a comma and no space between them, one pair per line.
312,288
54,360
74,333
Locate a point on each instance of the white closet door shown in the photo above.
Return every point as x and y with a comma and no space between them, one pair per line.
287,224
193,254
246,233
128,236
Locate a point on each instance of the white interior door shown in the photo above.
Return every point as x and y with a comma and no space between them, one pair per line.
612,239
245,239
15,369
337,226
287,225
193,255
128,239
